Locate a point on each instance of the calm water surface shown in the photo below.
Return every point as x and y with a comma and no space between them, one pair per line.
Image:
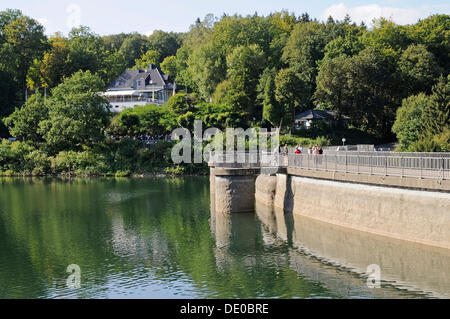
158,238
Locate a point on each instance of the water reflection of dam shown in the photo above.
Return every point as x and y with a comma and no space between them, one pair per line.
338,257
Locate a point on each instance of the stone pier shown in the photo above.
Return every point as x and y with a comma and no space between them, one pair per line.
233,189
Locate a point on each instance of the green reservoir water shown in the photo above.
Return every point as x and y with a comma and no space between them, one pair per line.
158,238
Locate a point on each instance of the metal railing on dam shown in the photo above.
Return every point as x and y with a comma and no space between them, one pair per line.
429,166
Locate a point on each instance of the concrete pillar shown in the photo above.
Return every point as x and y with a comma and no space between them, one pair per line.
233,189
222,229
265,189
212,196
235,194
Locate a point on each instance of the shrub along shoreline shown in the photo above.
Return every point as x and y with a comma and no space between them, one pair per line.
125,158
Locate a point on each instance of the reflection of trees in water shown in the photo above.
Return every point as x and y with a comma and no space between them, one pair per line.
99,224
45,232
153,229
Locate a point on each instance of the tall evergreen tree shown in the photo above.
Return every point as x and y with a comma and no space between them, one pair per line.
273,111
437,114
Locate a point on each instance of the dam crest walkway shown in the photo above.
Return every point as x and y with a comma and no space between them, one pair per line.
427,171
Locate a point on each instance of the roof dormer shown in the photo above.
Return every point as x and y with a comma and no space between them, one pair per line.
140,83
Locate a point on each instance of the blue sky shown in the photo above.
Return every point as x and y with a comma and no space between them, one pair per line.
144,16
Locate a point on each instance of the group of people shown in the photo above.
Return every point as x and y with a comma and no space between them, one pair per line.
317,150
299,149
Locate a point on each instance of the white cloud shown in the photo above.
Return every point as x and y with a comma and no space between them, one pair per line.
367,13
149,33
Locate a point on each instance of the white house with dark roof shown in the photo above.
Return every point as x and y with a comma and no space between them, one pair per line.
305,119
139,87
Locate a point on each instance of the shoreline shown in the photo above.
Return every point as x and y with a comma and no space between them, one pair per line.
131,176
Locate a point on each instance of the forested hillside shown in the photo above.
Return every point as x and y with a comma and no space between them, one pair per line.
234,70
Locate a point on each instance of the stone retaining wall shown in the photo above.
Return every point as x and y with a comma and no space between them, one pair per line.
417,216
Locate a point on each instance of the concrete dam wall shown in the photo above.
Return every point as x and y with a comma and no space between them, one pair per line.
403,264
416,216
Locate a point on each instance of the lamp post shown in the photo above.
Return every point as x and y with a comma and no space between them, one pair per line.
343,145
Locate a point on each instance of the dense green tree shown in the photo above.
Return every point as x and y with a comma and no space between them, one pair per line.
245,64
21,42
113,65
206,68
333,89
433,33
233,31
113,42
432,143
28,42
419,69
437,113
85,51
151,56
290,91
350,44
6,17
199,34
387,35
281,25
409,124
273,112
155,120
362,86
221,92
35,79
54,63
24,122
184,76
8,58
169,66
78,116
423,122
305,48
8,101
125,123
182,103
143,120
219,116
373,82
133,47
207,62
166,43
